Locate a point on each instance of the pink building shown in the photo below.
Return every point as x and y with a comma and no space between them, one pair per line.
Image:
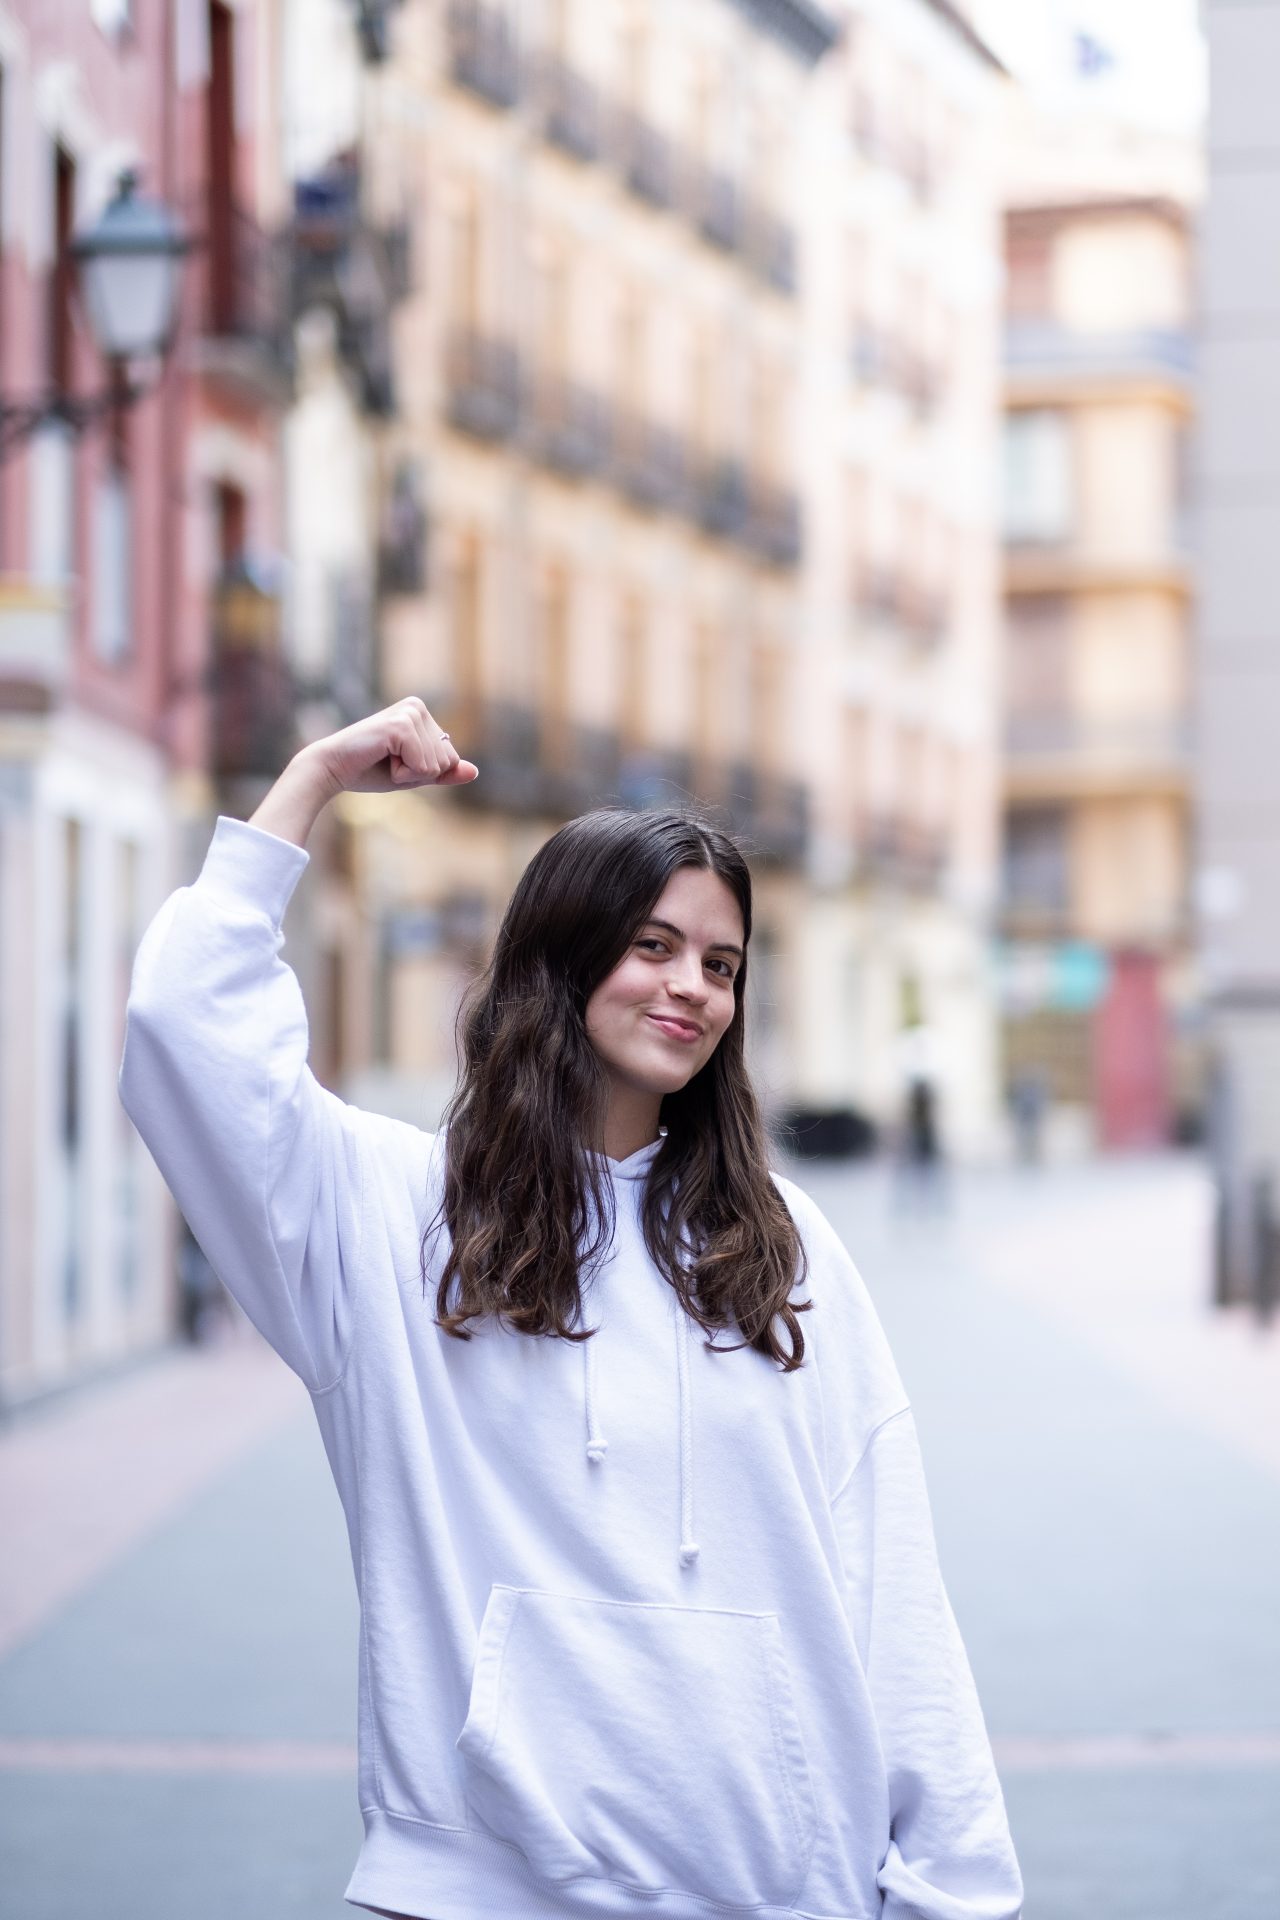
115,545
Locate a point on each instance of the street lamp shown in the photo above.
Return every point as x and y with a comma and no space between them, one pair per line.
129,267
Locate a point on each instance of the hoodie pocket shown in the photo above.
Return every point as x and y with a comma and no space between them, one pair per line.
651,1745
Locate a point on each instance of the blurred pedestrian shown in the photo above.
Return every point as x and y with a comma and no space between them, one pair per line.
1028,1098
568,1701
922,1172
200,1296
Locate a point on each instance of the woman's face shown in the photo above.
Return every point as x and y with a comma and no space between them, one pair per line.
659,1016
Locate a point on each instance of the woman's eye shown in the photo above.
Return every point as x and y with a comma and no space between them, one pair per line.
656,946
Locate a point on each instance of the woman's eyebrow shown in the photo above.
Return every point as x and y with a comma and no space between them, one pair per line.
717,946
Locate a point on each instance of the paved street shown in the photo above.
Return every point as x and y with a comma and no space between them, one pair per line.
177,1623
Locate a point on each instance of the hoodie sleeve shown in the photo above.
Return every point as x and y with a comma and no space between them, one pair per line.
266,1165
950,1854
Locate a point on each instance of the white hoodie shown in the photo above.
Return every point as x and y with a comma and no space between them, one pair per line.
644,1629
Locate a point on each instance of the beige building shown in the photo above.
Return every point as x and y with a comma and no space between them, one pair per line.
1099,986
902,591
700,396
599,384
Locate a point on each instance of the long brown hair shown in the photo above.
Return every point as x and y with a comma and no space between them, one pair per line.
530,1211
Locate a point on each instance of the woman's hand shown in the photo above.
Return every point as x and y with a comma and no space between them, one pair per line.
399,748
389,752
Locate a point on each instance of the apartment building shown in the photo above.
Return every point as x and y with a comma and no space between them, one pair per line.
153,670
902,596
109,539
599,374
1238,551
1100,989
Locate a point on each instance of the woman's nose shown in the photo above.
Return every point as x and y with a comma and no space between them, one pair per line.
687,980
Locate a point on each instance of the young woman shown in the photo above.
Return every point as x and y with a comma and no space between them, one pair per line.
651,1618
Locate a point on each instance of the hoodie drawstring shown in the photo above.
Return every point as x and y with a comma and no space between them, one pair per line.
597,1445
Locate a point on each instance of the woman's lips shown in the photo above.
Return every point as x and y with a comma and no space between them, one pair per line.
678,1029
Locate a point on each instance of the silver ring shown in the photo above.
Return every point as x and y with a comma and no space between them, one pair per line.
443,736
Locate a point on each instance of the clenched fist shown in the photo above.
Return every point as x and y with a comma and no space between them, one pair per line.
399,748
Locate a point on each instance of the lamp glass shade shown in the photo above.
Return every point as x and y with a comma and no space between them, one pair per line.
130,263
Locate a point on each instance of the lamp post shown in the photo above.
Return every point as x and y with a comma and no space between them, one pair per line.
129,268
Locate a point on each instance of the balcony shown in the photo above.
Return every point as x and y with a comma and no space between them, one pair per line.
483,56
655,777
714,205
1054,748
644,158
1042,351
772,525
35,646
647,463
253,731
359,272
566,427
483,379
1073,561
903,852
769,813
769,246
569,109
244,340
722,503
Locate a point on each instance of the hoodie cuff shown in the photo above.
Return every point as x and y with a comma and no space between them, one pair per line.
245,863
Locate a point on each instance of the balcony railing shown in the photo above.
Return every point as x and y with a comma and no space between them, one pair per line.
483,55
918,612
247,280
903,851
339,260
574,431
648,463
772,525
1035,347
253,728
769,246
771,814
1142,737
644,158
483,376
35,645
722,501
713,202
570,108
566,426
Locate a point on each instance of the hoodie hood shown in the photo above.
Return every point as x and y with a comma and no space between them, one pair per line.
628,1177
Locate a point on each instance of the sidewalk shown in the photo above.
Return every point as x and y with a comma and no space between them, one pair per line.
83,1479
177,1674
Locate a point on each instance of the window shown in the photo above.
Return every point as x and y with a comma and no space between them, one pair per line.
633,718
1037,476
464,288
1035,865
467,616
221,136
1028,273
61,318
112,566
553,677
1038,663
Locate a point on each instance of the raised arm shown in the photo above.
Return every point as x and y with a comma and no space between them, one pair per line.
268,1166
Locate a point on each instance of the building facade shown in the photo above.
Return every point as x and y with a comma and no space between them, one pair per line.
1099,982
111,544
901,607
599,372
1238,658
